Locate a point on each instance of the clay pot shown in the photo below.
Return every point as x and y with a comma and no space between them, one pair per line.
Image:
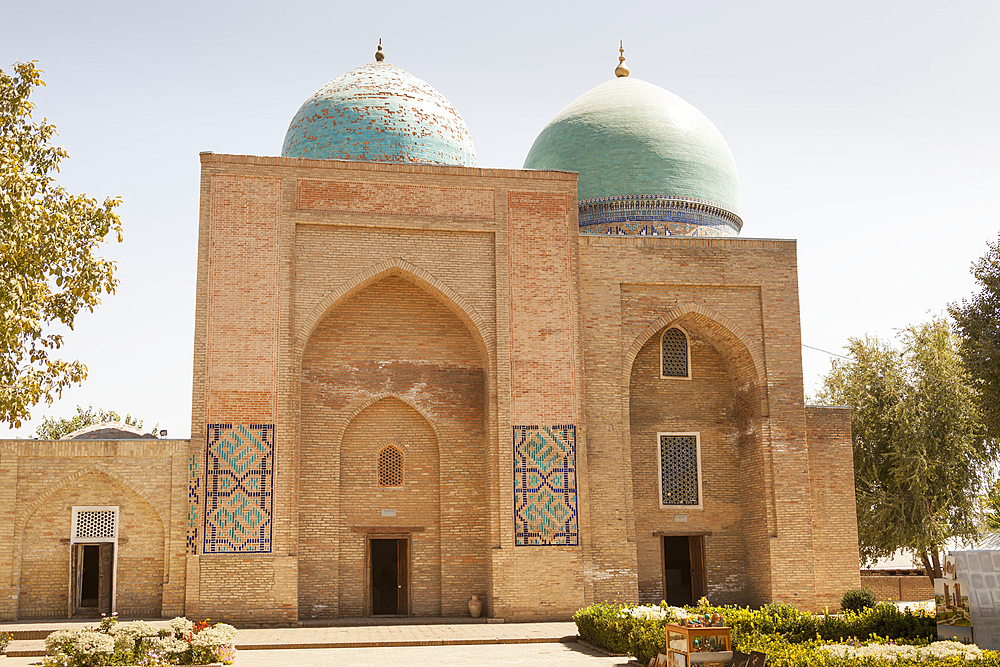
475,606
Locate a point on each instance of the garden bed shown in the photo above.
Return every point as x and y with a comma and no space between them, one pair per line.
141,644
879,636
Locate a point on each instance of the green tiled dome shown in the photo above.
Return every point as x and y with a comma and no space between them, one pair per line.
630,139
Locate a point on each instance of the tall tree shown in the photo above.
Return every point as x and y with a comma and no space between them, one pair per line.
978,323
50,269
53,428
920,458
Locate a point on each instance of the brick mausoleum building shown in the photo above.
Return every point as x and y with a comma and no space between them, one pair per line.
416,380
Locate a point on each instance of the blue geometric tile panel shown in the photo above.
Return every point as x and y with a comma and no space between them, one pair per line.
545,486
194,499
239,488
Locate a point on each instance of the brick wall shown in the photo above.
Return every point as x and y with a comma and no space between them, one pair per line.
899,588
831,465
554,322
391,340
742,295
702,404
146,479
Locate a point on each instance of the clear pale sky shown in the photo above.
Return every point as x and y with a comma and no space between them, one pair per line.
866,130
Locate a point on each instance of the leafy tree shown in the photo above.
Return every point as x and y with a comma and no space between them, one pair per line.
978,323
49,266
991,508
53,428
920,458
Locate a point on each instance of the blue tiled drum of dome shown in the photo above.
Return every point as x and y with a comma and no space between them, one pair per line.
380,113
597,216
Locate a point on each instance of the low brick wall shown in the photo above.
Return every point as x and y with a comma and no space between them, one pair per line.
899,588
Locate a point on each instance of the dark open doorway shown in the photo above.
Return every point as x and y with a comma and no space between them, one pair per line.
93,566
389,585
683,569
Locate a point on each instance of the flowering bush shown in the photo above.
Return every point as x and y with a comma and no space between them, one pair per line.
142,643
789,637
946,649
4,640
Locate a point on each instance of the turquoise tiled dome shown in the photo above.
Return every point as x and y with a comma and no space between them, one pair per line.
649,162
379,113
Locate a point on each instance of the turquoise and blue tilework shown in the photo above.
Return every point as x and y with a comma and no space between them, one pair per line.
194,499
239,488
379,113
656,215
545,511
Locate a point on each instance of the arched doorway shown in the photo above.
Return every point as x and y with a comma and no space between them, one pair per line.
693,412
391,365
54,564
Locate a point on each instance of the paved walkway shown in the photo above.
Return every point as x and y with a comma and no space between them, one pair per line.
368,643
569,654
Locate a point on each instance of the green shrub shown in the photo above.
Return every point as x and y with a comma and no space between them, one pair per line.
647,639
603,625
858,599
640,632
884,620
4,641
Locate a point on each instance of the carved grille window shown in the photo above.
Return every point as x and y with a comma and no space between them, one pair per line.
95,524
674,354
679,469
390,467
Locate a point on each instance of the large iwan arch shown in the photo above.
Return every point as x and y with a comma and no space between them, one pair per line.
390,361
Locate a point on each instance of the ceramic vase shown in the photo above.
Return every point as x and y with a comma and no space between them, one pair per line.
475,606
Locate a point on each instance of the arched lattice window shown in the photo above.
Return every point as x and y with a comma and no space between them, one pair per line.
675,360
390,467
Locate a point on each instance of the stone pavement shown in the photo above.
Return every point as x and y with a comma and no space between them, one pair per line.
569,654
461,642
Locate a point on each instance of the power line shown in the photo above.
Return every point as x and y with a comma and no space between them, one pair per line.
832,354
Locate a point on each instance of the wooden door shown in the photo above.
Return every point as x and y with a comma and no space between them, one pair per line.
403,579
696,543
106,577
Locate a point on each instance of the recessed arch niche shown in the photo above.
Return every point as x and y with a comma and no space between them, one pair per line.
721,404
392,363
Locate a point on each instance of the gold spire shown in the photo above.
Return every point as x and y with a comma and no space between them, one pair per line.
622,69
379,56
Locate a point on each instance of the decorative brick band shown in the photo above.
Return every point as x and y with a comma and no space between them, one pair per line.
395,199
545,507
663,216
239,488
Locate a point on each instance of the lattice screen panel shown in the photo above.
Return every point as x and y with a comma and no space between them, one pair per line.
95,524
390,467
679,469
675,354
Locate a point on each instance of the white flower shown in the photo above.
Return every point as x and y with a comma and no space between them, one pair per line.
944,649
142,628
215,636
647,612
171,645
59,638
91,643
181,625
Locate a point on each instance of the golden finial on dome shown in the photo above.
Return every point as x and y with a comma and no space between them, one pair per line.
622,69
379,56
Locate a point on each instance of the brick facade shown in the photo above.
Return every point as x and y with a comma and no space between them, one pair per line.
899,588
41,482
458,315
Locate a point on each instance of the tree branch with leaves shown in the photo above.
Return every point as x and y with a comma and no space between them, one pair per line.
921,458
50,269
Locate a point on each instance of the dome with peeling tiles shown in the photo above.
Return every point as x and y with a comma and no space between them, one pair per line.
649,162
380,113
